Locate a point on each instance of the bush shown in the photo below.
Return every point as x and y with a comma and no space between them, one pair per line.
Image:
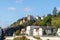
21,38
22,34
17,32
38,38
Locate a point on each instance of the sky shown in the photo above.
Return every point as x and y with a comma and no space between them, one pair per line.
12,10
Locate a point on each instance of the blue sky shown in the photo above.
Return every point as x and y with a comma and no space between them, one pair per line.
12,10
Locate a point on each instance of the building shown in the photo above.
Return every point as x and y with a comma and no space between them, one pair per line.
23,31
39,30
42,17
58,32
37,17
24,21
29,17
21,22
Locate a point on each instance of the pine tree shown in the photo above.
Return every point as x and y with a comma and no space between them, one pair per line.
54,12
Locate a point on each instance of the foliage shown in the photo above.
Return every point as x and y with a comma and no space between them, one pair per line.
17,32
38,38
55,22
21,38
46,21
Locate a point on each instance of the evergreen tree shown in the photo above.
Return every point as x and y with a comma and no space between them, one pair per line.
54,12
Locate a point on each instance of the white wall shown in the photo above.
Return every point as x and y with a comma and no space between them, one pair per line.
29,30
50,38
35,33
58,32
40,31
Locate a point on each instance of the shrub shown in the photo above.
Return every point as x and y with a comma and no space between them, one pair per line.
21,38
17,32
38,38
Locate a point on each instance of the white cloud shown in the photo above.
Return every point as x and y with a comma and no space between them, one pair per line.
11,8
19,1
27,9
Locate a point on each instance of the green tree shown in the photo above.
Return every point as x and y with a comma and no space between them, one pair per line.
55,12
46,21
42,23
55,22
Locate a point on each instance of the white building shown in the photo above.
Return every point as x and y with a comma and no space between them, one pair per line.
21,22
39,30
37,17
29,17
22,31
58,32
24,21
34,30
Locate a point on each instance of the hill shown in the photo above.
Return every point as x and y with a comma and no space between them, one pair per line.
21,23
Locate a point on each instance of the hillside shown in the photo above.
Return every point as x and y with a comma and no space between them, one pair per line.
25,21
21,23
49,20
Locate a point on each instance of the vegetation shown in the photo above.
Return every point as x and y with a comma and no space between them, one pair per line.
17,32
38,38
21,38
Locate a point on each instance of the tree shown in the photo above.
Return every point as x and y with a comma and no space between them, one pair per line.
42,23
54,12
46,21
49,15
55,22
59,14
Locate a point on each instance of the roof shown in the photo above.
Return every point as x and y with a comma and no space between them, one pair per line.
43,27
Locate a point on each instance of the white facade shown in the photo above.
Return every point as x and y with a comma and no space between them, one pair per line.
58,32
42,18
29,30
33,31
48,32
38,33
37,17
23,31
30,17
21,22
